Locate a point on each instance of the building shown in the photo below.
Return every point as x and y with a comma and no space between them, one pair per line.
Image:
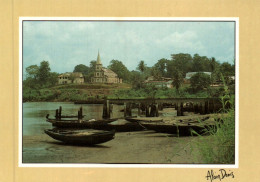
190,74
104,75
159,83
67,78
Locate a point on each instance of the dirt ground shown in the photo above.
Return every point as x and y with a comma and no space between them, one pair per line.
128,147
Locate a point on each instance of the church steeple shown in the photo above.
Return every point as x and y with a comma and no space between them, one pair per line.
98,59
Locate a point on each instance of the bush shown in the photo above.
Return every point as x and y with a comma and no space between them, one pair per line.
199,81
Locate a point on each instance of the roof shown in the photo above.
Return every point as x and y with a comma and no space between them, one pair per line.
76,74
190,74
109,73
98,59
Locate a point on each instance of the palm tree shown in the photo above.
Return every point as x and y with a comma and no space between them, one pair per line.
141,66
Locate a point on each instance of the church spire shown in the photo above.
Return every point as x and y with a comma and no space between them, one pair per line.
98,59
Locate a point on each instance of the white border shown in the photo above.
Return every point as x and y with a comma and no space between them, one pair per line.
236,20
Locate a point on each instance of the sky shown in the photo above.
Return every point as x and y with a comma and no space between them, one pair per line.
65,44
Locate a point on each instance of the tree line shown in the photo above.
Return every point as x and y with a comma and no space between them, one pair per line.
175,68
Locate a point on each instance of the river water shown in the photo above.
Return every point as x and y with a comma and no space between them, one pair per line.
34,113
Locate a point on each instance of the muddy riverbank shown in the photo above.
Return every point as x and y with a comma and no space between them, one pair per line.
127,147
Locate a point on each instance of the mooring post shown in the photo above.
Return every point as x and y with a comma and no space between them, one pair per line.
81,113
207,107
203,108
104,110
178,109
160,106
57,114
181,108
147,113
139,109
124,109
60,112
111,109
214,107
108,109
156,110
196,108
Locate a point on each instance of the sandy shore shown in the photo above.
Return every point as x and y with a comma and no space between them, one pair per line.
127,147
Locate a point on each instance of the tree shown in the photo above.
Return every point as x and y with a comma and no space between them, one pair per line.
177,79
137,79
53,78
82,69
161,66
44,72
120,69
141,66
156,73
32,71
199,81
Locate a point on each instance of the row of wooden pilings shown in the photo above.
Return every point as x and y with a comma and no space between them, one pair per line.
59,116
152,109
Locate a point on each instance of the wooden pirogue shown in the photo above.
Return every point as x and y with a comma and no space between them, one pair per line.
81,137
179,128
80,123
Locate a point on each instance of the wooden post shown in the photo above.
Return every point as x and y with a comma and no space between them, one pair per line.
147,113
139,105
196,108
108,109
57,114
104,110
156,110
130,109
80,116
60,112
181,109
111,109
203,108
178,109
207,107
124,109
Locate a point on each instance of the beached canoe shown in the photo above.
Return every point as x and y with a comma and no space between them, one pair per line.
81,124
180,128
122,125
81,137
147,119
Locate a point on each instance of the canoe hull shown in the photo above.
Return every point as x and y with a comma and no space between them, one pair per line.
181,130
89,139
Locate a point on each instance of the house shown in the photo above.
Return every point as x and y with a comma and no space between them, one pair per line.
190,74
67,78
159,83
104,75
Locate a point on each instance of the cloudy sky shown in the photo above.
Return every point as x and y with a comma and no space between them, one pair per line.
66,44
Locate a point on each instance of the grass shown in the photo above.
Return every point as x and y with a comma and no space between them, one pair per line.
218,147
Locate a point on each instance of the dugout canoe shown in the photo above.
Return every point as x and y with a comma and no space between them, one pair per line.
81,137
82,123
179,128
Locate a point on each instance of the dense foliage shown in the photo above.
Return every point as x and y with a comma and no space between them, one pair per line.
38,77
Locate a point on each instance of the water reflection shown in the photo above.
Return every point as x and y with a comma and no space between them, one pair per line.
34,113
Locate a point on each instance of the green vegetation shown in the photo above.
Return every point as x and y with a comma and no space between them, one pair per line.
41,84
199,81
219,146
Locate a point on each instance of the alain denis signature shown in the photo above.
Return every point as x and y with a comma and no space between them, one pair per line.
219,175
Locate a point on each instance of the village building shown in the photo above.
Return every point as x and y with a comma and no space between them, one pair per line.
67,78
190,74
104,75
159,83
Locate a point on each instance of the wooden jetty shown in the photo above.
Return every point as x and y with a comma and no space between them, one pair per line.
151,107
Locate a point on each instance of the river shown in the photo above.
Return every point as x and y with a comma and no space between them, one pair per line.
34,114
